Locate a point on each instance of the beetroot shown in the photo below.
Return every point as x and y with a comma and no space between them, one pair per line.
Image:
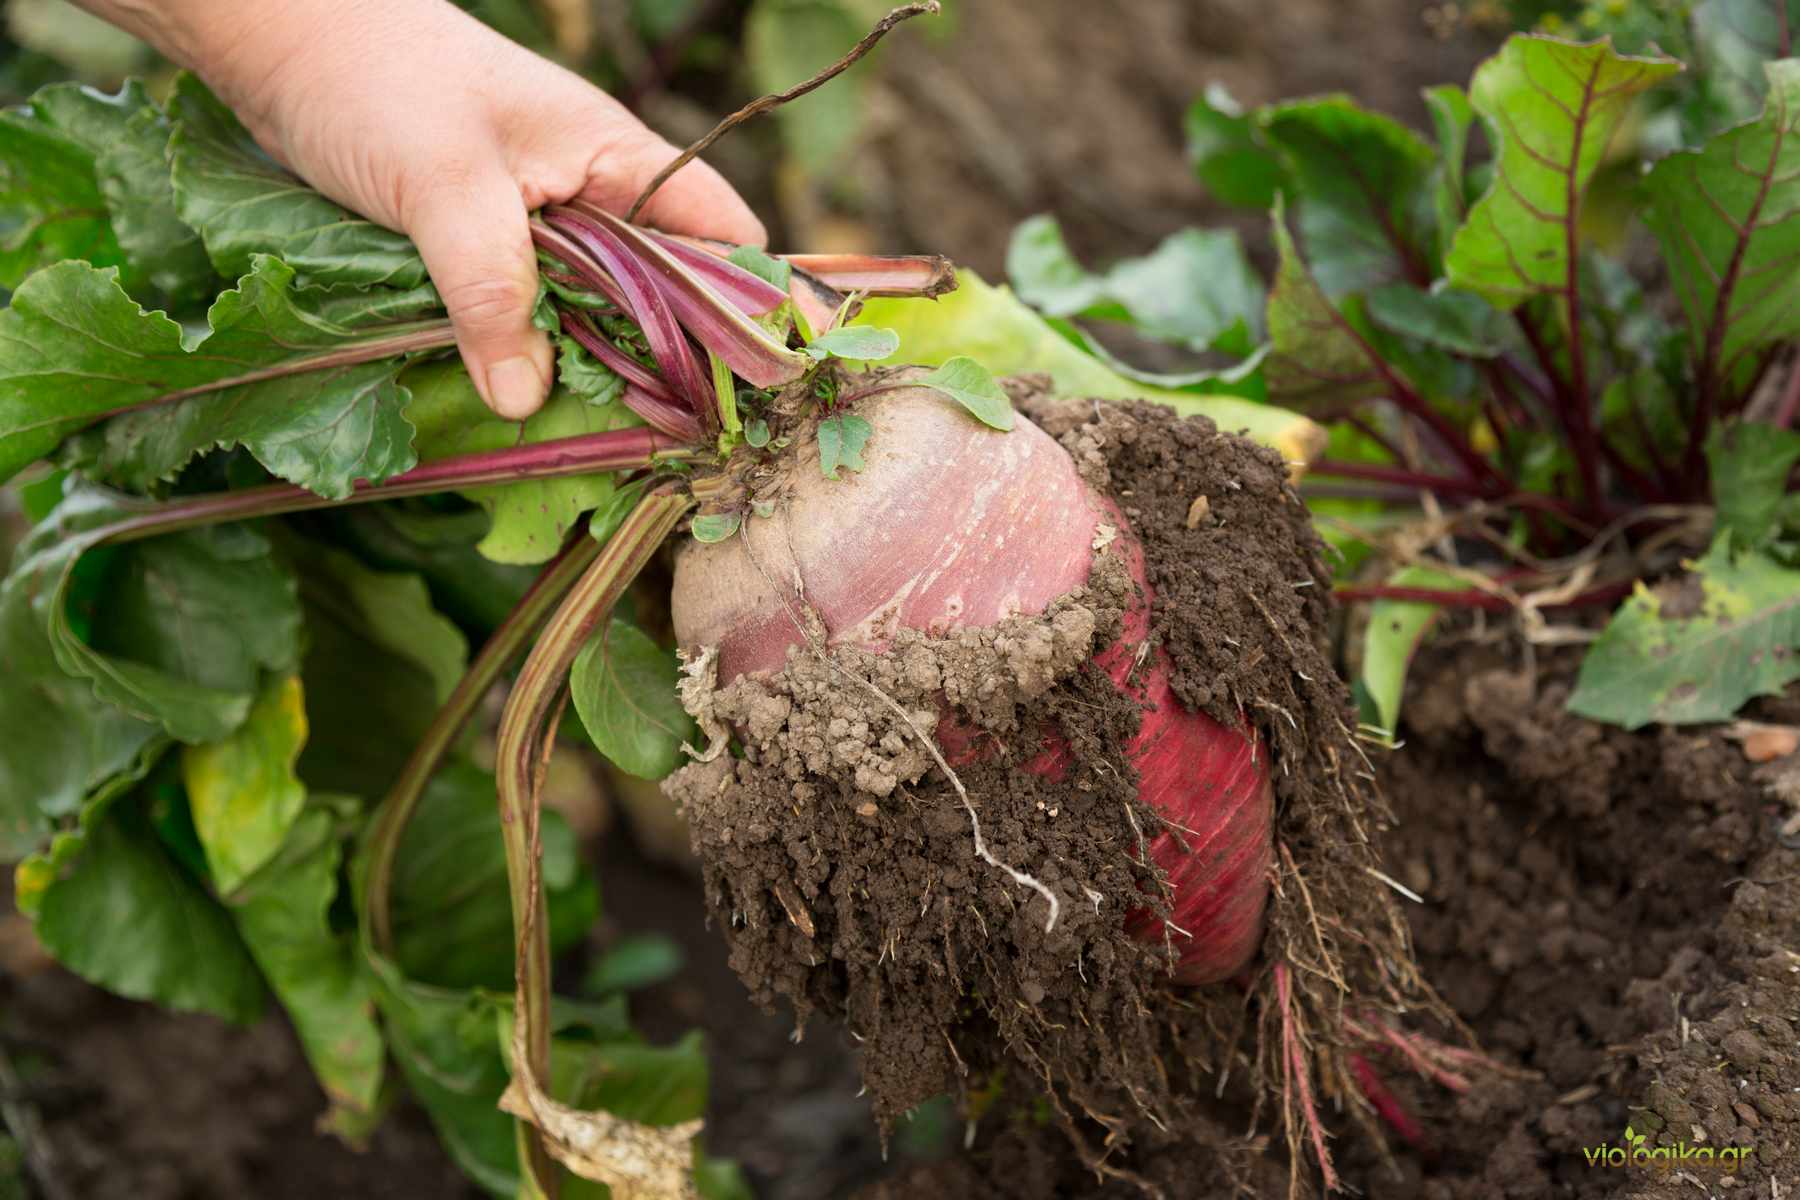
953,525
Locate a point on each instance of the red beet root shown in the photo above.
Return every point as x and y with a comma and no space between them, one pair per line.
954,525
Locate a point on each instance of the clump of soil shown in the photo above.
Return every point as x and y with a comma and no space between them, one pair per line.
1612,911
844,869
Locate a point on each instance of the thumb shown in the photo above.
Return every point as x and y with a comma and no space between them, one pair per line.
471,230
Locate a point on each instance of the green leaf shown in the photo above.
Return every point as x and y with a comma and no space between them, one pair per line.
63,744
1317,356
51,207
1396,629
967,382
452,918
774,270
242,790
244,205
715,527
1360,185
756,432
584,375
634,962
1733,41
185,629
1459,322
530,520
1698,647
1725,217
1196,289
126,138
1451,117
438,544
1228,152
127,917
1553,107
443,1041
134,177
379,662
74,346
859,342
990,325
623,685
283,914
841,441
1750,465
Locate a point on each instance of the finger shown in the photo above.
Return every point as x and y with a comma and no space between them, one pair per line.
470,227
695,200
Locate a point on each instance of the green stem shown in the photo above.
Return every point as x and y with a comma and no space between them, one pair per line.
501,647
521,746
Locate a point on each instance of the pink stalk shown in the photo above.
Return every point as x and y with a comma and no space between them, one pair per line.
923,275
645,302
748,293
616,360
663,414
750,350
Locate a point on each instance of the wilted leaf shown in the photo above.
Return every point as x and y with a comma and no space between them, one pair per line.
1196,289
1359,186
1725,215
1553,108
530,520
242,789
967,382
990,325
1697,647
244,205
623,685
841,441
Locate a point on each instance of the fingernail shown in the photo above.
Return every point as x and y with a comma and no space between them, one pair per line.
515,389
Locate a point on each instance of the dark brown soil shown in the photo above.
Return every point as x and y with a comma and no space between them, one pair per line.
1610,910
141,1104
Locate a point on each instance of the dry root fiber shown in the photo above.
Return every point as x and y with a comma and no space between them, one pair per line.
842,866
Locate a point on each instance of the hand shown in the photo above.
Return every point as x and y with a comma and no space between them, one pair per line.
416,115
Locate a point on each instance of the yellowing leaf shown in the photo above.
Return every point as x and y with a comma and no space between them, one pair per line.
243,790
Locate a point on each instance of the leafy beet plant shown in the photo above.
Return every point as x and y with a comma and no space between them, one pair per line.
1548,371
281,554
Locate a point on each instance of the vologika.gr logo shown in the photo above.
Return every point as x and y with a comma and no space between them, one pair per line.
1637,1152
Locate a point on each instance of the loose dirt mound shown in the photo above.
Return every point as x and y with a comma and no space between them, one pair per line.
1611,910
